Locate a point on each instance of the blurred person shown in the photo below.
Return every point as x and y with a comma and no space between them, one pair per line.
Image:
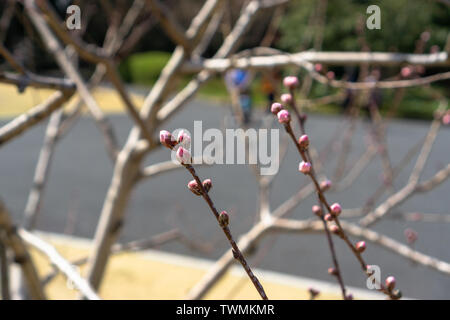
238,80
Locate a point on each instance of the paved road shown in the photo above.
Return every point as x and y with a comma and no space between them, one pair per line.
81,174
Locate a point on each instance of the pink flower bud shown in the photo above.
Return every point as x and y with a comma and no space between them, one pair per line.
313,292
304,141
332,271
360,246
184,139
349,297
276,107
224,219
286,98
325,185
446,119
183,155
166,139
290,82
335,229
207,184
390,282
317,210
193,186
304,167
284,116
328,217
411,235
336,209
318,67
406,72
330,75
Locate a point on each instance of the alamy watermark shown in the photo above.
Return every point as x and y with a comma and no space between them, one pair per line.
230,147
374,20
73,21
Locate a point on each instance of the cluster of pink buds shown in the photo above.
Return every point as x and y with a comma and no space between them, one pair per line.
195,188
276,107
184,156
304,167
290,82
406,72
183,141
360,246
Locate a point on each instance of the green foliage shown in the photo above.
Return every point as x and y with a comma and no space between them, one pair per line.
144,68
402,22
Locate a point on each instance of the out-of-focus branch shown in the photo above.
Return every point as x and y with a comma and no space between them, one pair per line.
21,255
58,261
35,115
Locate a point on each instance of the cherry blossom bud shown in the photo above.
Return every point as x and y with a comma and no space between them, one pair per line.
330,75
396,294
434,49
290,82
184,139
276,107
335,229
406,72
193,186
336,209
224,219
284,116
446,119
325,185
286,98
304,167
349,297
390,282
328,217
313,292
183,155
332,271
318,67
360,246
166,139
317,210
411,235
207,184
304,141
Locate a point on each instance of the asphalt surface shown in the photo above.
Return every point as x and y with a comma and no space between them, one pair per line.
81,173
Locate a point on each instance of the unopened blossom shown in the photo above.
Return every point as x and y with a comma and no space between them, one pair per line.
184,139
304,167
336,209
349,297
411,235
290,82
313,292
224,219
283,116
406,72
183,155
207,184
166,139
276,107
330,75
332,271
325,185
390,282
335,229
328,217
360,246
446,118
304,141
286,98
318,67
194,187
317,210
